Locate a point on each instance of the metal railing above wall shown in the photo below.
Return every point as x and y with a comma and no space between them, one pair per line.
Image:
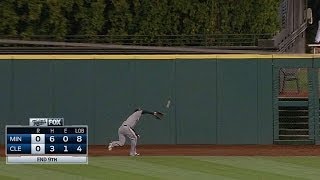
54,47
203,40
289,41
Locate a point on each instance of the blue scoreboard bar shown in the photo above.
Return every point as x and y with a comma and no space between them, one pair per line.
47,145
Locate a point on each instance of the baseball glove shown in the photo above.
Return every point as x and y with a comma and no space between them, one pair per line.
158,115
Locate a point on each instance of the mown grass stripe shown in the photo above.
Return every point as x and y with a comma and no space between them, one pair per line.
7,177
188,163
177,168
267,165
32,172
306,161
138,165
96,172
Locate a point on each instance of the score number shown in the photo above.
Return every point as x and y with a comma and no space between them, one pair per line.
65,139
37,143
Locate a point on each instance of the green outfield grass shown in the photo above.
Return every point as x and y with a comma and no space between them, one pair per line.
176,168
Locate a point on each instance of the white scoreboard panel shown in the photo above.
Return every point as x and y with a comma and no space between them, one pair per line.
45,144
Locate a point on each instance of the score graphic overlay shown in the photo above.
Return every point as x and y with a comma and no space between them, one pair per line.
47,141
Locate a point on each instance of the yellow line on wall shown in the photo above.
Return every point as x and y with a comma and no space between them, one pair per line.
292,56
157,57
243,56
106,57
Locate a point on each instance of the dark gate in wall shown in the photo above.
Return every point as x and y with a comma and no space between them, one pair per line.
296,102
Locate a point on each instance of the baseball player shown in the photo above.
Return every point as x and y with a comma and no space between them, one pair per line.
316,11
127,130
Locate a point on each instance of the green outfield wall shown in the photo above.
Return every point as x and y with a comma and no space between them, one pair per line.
215,99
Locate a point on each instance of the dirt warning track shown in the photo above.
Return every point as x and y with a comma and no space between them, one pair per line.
210,150
205,150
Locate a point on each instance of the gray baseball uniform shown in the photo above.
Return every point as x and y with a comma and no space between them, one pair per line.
127,130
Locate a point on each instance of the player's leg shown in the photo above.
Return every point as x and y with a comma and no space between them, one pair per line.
317,38
133,138
120,142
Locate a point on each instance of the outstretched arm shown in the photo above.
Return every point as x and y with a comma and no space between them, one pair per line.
155,113
147,112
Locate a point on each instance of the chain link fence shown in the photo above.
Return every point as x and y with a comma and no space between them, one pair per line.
293,82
